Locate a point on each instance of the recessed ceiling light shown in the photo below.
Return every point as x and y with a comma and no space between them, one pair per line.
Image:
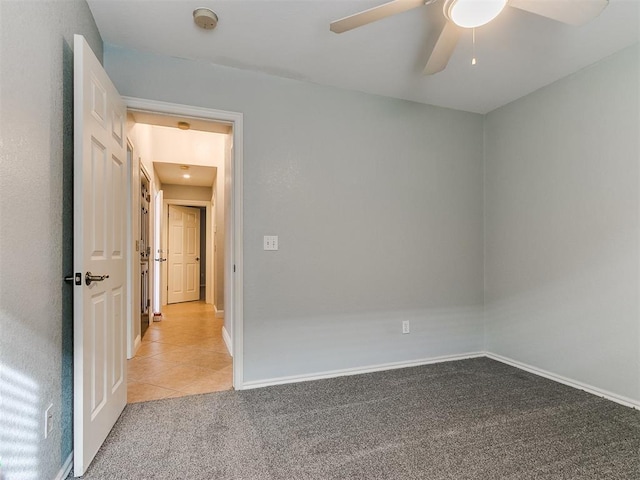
184,125
186,175
205,18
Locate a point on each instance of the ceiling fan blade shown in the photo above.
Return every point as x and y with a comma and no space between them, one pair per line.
374,14
443,48
572,12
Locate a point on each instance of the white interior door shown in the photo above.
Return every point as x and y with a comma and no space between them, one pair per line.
184,254
99,311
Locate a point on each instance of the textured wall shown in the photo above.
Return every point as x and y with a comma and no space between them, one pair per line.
562,227
36,235
377,203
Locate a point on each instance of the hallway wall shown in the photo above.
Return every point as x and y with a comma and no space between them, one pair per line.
36,238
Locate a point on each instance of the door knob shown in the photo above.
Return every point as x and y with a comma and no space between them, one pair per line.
88,278
197,259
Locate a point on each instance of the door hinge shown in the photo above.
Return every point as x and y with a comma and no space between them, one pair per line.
234,268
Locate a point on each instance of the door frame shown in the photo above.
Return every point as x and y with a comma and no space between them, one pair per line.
136,170
210,266
233,273
134,337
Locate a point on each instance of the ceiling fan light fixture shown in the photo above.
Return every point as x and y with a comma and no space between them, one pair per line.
473,13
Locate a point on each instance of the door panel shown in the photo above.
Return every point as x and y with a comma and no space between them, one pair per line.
190,286
117,196
117,326
100,392
98,338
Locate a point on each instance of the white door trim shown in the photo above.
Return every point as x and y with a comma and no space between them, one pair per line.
134,339
234,258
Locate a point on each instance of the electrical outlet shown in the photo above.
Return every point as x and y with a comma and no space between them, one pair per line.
48,421
405,326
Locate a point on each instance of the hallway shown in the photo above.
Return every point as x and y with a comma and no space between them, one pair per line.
184,354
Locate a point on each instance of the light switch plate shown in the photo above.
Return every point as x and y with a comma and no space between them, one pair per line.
271,242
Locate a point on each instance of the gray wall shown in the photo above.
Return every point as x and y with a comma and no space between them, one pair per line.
36,234
562,224
378,207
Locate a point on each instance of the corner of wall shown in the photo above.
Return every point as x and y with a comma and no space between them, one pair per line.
484,232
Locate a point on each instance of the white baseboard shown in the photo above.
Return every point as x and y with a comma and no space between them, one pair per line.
66,468
136,344
218,313
356,370
227,340
628,402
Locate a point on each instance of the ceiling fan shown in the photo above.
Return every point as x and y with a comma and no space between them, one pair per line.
461,14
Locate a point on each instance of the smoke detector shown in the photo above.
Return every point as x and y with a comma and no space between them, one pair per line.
205,18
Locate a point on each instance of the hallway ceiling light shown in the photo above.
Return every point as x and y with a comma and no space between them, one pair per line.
184,125
186,175
205,18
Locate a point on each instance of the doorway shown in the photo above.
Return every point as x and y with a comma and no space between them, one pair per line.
184,351
226,236
183,254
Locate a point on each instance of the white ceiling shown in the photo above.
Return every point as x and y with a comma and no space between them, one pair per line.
517,53
172,174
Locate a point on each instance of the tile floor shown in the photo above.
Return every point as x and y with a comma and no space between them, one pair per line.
184,354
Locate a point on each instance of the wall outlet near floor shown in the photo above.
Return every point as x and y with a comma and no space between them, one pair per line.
48,421
405,327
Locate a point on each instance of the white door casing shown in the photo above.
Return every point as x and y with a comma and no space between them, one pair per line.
100,179
133,266
183,254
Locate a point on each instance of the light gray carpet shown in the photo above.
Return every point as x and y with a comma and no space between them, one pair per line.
471,419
